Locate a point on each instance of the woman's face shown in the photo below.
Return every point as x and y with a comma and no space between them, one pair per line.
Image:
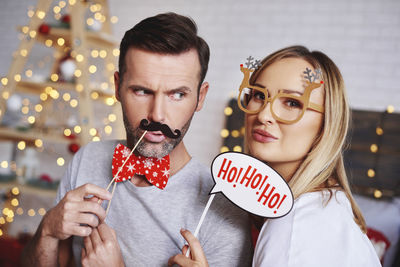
283,146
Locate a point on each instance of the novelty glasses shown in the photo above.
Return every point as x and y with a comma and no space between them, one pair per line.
287,106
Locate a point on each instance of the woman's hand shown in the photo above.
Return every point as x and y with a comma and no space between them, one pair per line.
196,258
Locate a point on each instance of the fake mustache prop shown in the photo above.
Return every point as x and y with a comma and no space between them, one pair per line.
156,126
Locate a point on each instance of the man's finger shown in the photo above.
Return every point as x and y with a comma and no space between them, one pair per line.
185,249
92,207
95,238
88,247
91,189
106,232
87,218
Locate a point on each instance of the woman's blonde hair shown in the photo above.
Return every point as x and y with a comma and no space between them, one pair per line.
323,167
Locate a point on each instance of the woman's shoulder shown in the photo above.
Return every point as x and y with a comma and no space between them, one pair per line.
319,229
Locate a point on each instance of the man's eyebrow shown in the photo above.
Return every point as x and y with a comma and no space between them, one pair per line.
139,87
259,85
180,89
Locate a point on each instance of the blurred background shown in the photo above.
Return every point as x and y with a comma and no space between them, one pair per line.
56,94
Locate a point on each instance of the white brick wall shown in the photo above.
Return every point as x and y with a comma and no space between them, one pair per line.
362,37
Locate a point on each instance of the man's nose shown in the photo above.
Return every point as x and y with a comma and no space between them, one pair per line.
157,112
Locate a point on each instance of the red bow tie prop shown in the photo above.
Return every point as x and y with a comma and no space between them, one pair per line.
155,170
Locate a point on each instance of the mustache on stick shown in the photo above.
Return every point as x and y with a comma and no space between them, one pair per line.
156,126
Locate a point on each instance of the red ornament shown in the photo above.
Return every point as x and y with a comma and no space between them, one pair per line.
44,28
66,19
73,148
46,178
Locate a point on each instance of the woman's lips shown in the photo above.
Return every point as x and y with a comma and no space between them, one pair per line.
263,136
155,137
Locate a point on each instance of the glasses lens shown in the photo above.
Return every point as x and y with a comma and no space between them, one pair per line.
252,99
287,108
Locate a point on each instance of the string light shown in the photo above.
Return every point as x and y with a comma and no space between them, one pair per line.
62,4
25,29
56,9
77,129
5,95
67,132
93,8
54,94
114,19
20,211
40,14
224,149
237,148
15,191
110,66
94,95
104,85
72,2
90,21
48,43
94,53
228,111
54,77
92,69
14,202
60,41
25,110
21,145
374,148
379,131
31,212
79,58
390,109
110,101
377,193
224,133
38,143
92,131
108,129
24,52
28,73
31,119
116,52
371,173
96,139
4,81
235,133
73,103
42,211
66,97
60,161
97,16
4,164
32,34
102,53
38,107
31,13
43,96
112,117
17,77
25,101
79,87
77,73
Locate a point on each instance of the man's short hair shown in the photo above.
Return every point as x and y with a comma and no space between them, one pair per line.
167,33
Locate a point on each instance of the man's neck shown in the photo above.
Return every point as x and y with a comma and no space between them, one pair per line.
179,157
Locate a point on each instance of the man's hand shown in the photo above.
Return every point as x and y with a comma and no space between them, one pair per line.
73,210
102,248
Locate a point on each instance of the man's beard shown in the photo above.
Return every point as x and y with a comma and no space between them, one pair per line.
146,148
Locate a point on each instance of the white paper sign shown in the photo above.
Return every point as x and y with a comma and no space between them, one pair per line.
251,184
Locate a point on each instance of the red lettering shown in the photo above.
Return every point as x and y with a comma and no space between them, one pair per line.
272,204
245,177
231,177
257,178
224,171
263,195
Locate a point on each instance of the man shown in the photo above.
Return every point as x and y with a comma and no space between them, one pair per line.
162,66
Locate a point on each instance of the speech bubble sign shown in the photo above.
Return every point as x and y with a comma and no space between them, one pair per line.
251,184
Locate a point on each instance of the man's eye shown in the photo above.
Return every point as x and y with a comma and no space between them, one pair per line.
140,92
178,95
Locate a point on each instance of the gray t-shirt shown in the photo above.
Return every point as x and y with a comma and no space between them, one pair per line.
147,220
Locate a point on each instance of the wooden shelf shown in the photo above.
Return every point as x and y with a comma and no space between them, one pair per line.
94,39
30,136
31,87
28,189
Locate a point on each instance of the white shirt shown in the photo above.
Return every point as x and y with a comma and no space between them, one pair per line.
315,234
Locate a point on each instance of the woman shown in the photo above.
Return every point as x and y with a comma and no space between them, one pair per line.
297,121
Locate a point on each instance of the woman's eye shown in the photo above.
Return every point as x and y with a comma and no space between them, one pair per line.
259,95
293,103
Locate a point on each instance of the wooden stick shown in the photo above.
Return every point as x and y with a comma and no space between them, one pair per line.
123,164
109,202
196,232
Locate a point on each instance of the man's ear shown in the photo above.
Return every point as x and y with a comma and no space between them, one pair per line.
116,84
202,95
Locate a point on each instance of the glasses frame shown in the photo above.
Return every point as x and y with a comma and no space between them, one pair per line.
304,98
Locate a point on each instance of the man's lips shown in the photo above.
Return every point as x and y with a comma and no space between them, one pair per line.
155,137
263,136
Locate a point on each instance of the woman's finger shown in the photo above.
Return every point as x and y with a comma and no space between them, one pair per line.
195,248
181,260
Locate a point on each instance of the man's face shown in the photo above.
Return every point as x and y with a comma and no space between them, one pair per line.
160,88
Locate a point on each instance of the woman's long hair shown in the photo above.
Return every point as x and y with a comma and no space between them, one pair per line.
323,167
